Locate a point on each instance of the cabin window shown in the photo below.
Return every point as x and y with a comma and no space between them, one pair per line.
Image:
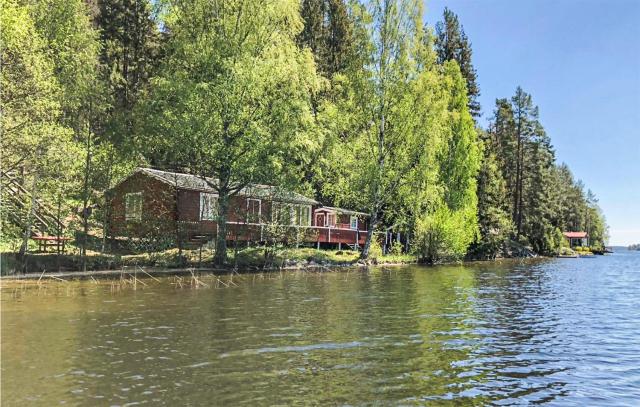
330,220
304,215
133,206
354,222
281,213
208,206
254,210
291,214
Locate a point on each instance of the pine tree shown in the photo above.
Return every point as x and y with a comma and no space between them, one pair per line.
131,49
525,158
453,44
494,215
526,124
328,32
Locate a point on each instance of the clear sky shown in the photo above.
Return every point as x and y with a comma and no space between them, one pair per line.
580,60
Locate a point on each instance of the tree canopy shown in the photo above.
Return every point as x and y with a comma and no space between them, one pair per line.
358,104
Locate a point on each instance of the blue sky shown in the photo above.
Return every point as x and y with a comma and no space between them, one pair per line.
580,60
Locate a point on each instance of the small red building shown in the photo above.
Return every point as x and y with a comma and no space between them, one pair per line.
577,238
154,202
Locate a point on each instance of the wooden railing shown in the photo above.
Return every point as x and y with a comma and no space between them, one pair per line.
341,233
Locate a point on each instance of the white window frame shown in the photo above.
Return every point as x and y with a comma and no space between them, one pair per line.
353,222
328,216
212,206
295,213
300,210
133,210
259,219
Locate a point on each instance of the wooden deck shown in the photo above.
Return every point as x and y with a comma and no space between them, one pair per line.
340,234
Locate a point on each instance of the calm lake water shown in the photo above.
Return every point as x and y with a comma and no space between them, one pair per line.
564,332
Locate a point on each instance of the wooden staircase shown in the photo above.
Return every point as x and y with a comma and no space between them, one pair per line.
15,201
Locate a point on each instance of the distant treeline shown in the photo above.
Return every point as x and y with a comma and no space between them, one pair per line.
634,246
356,103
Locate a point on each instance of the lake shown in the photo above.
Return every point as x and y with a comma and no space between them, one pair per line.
562,331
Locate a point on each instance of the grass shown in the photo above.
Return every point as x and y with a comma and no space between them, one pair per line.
247,258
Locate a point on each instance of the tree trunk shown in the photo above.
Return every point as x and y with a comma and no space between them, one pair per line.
220,256
367,243
27,230
518,191
85,201
106,213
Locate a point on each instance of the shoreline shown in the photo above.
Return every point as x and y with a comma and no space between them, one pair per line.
154,271
142,271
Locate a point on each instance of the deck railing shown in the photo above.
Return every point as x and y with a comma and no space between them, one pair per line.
341,233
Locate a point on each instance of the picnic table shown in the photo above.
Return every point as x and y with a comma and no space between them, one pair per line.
51,241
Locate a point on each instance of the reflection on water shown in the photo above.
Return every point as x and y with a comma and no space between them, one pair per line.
565,331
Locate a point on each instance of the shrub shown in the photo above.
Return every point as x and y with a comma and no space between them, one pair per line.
375,251
396,249
445,234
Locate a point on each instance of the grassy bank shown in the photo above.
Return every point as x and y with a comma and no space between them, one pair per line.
255,258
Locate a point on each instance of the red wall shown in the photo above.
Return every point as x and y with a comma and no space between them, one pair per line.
158,208
159,213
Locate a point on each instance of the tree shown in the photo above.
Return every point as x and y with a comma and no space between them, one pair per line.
328,32
33,137
73,44
383,114
447,227
544,197
130,52
231,100
452,44
494,216
514,126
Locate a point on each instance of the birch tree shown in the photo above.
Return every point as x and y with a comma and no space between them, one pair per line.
390,114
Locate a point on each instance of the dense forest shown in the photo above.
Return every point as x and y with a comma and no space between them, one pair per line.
359,104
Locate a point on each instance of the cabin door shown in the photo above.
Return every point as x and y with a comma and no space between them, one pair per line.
320,219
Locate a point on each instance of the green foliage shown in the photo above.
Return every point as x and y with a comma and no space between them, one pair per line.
355,102
396,248
131,47
452,44
494,219
544,198
375,251
231,100
38,146
388,109
328,32
443,235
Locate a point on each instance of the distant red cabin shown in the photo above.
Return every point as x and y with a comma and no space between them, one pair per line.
577,238
151,202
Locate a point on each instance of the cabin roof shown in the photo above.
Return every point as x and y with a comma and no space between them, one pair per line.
575,235
196,183
340,210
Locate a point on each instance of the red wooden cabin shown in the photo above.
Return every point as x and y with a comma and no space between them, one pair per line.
166,203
